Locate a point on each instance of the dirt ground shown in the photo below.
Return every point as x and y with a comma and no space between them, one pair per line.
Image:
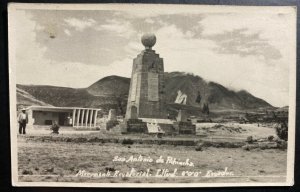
236,130
62,161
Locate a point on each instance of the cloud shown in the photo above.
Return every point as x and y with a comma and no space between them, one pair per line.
30,58
187,23
67,32
273,27
80,24
232,49
244,43
121,28
71,74
149,20
236,71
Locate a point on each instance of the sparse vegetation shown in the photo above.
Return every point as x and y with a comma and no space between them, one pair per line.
199,147
281,144
27,172
69,158
205,109
282,130
249,139
127,141
271,138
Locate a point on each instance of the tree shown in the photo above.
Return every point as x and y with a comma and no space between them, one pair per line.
198,99
205,109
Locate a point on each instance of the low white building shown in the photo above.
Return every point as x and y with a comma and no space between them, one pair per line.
64,116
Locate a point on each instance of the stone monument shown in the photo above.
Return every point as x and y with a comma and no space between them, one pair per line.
112,115
146,93
112,119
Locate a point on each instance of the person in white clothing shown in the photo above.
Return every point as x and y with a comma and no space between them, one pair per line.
22,120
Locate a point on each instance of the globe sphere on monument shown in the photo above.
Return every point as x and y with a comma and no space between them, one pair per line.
148,40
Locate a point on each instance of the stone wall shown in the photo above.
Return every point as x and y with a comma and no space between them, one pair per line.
133,126
39,117
185,128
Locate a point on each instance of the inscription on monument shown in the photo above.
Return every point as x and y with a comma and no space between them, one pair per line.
153,87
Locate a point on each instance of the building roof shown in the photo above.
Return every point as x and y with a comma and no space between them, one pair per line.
50,108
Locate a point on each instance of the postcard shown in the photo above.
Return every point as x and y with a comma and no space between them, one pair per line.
152,95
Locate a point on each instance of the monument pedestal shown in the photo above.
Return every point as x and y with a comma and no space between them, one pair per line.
133,126
182,126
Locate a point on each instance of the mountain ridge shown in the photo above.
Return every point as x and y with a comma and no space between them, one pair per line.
112,92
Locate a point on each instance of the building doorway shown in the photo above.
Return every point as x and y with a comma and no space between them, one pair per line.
62,118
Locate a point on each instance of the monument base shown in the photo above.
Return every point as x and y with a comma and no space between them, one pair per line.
134,126
185,127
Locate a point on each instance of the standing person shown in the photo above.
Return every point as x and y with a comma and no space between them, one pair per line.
22,120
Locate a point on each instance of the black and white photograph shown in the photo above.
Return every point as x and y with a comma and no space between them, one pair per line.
152,95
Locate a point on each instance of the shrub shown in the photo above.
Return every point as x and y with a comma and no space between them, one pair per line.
249,147
199,147
246,147
249,139
67,139
27,172
282,131
159,135
110,169
80,140
281,144
271,138
127,141
93,139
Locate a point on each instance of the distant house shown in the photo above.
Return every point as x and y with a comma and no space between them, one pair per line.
64,116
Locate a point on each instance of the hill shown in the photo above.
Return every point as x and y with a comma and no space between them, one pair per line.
112,91
111,85
25,99
68,97
216,95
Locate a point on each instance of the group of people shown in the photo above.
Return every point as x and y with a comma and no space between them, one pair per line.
23,120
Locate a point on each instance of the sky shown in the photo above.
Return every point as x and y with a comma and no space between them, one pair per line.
249,49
